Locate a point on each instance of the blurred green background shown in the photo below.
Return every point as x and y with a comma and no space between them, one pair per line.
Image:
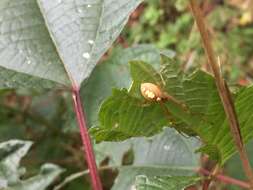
46,117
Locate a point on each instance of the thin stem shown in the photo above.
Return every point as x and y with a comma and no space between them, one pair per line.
211,176
224,92
226,179
88,150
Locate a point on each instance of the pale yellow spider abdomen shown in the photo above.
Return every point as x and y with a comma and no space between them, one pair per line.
151,92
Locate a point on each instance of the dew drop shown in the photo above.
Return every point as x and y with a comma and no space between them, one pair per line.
29,61
89,6
91,42
80,10
166,147
86,55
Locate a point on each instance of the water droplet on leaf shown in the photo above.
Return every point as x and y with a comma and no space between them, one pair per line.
29,61
166,147
86,55
91,42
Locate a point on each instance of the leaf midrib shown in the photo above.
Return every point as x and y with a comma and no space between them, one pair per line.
54,42
73,82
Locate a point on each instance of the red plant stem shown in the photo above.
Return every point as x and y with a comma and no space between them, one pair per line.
206,184
88,150
226,179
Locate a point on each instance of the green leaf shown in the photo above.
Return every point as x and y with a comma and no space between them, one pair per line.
129,115
222,137
207,117
197,111
176,158
11,153
58,40
142,72
165,182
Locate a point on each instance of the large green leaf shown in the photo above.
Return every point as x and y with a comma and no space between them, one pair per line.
168,153
222,136
11,153
198,110
165,182
57,40
129,115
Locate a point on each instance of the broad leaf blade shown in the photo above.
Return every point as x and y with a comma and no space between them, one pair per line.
58,40
176,157
203,114
83,30
223,138
25,44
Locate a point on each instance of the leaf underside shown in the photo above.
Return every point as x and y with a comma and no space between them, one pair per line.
59,40
176,158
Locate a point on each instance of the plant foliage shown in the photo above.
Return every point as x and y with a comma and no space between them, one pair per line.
11,153
200,112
